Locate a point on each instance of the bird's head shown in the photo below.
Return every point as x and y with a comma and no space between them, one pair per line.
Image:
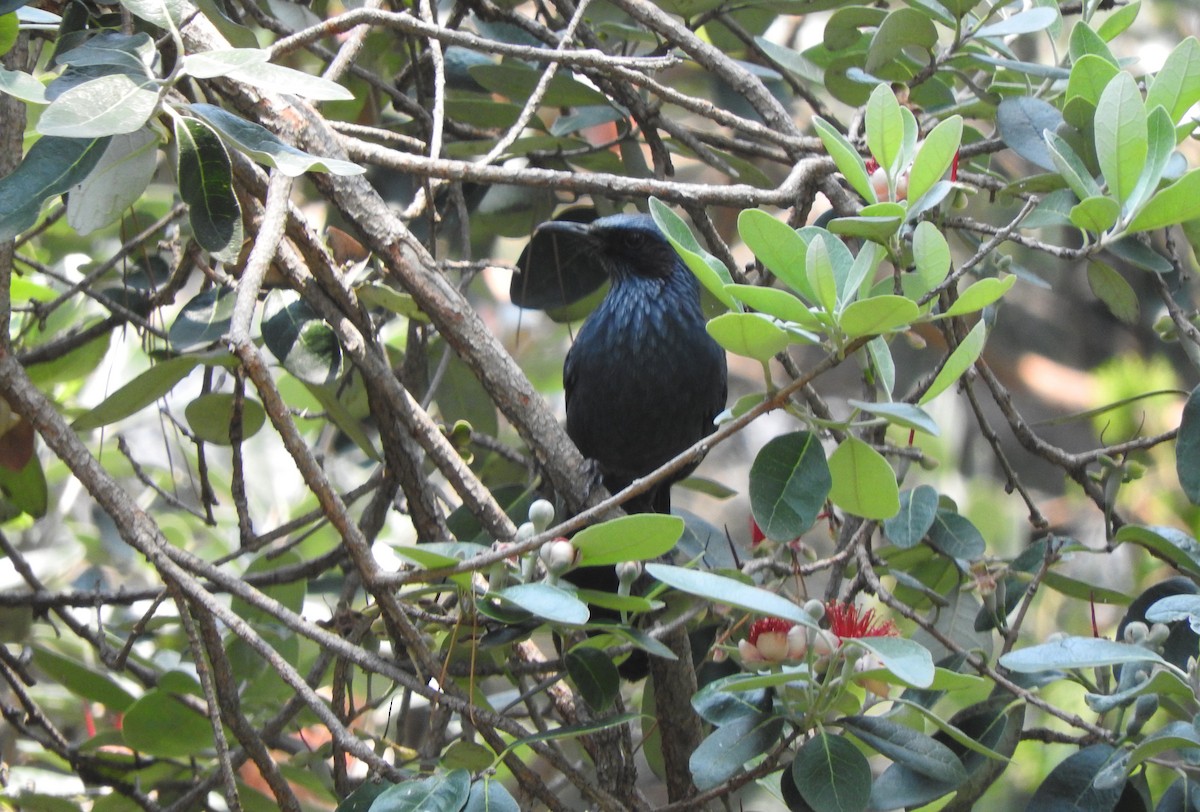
626,244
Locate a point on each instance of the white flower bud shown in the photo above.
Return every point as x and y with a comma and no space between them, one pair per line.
541,514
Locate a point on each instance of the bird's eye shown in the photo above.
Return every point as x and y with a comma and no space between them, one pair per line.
634,239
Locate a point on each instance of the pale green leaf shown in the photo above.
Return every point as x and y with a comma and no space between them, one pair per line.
963,357
864,484
1121,135
935,156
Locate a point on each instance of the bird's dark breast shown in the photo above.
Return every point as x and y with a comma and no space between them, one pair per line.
644,381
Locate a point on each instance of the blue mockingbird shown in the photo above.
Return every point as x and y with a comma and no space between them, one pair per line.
643,380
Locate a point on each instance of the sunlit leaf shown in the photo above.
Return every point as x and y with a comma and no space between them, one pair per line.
627,538
1121,135
863,482
729,592
963,357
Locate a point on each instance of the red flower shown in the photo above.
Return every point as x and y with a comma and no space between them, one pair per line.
757,536
773,640
768,625
847,622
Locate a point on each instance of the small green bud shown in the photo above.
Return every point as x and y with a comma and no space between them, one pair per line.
541,514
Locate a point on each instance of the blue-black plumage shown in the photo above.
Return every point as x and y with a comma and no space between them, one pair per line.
644,380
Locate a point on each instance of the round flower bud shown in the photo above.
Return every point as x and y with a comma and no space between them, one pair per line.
541,514
558,556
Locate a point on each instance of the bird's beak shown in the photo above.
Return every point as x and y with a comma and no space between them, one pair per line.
583,230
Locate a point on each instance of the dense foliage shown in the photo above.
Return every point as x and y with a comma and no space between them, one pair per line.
287,505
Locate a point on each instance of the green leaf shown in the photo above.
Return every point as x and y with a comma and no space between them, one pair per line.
913,749
1076,652
25,488
489,795
1121,135
108,105
206,185
374,294
979,295
210,417
931,254
1167,543
1112,289
846,158
22,86
918,510
1096,214
517,82
1173,204
131,54
750,334
51,167
302,341
1177,84
777,246
1024,22
627,538
956,536
1161,135
708,269
361,799
879,314
223,61
1076,784
935,156
906,659
832,774
777,303
726,699
1118,21
160,725
789,481
963,357
335,409
820,273
595,676
901,414
882,364
902,29
117,182
864,484
204,320
876,229
1187,448
166,14
885,127
441,792
1022,121
143,390
281,79
91,684
1090,75
729,592
551,603
1071,167
730,746
264,146
1086,42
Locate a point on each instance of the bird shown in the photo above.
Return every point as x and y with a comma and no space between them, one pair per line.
643,379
